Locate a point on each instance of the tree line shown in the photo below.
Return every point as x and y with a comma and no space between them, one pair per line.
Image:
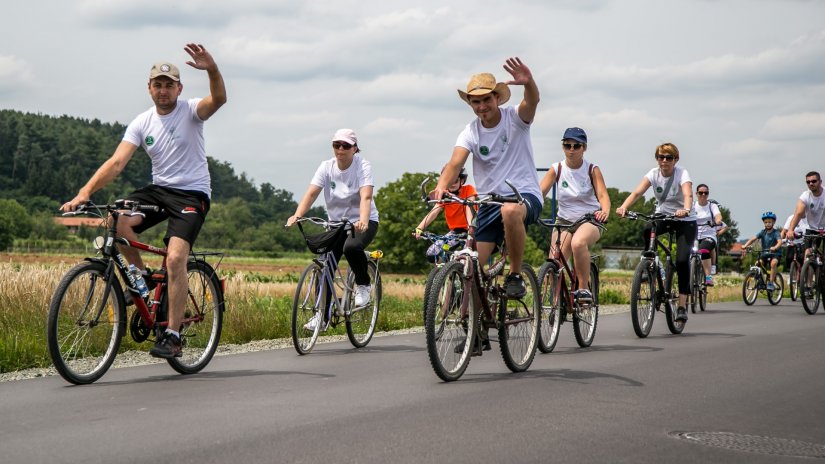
44,160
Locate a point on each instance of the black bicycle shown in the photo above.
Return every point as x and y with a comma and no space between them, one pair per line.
810,278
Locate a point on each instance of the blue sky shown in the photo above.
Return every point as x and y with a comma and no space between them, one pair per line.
737,85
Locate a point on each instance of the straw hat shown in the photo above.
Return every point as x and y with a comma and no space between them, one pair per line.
484,83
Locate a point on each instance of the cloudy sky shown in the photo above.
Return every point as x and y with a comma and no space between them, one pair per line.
737,85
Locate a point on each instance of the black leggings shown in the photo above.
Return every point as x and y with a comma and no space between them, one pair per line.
685,236
353,248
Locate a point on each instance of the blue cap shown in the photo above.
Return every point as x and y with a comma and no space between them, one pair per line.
575,133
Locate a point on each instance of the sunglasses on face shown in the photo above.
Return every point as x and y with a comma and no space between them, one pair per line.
344,145
811,181
702,193
572,146
665,157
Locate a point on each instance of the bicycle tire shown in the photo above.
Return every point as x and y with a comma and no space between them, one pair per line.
675,327
643,299
695,289
361,321
793,281
427,286
550,325
82,351
205,301
445,327
586,320
518,340
750,288
703,290
775,295
810,293
307,302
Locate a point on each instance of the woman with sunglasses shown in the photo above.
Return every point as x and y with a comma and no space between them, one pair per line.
673,190
580,190
708,212
347,183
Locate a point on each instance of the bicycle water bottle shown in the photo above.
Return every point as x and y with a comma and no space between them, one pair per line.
661,268
140,282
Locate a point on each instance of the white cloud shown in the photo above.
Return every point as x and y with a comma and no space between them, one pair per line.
384,126
796,126
134,14
14,73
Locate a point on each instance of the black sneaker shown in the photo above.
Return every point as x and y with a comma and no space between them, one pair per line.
583,296
681,314
167,346
514,286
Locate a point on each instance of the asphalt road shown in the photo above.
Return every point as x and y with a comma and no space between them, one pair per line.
739,377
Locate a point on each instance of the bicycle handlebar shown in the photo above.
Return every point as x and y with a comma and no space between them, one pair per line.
589,217
95,209
634,215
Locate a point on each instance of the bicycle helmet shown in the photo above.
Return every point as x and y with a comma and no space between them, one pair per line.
768,215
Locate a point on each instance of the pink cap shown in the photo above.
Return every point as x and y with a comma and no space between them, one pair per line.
345,135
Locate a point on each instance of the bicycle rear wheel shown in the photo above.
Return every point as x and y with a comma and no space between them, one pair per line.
450,322
750,288
518,328
308,303
87,317
201,332
675,327
550,311
775,295
793,282
696,281
809,285
361,321
642,299
586,318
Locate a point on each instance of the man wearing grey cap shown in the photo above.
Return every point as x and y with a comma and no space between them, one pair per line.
171,133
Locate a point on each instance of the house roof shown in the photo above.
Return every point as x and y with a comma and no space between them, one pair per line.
78,221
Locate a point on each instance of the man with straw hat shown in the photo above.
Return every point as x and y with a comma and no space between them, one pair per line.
499,140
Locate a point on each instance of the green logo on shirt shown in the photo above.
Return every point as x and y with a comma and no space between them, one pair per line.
484,150
332,185
149,140
564,184
658,189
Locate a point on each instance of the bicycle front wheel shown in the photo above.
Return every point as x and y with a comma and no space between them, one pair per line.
203,319
696,282
427,286
586,318
308,306
518,328
550,311
642,299
750,288
793,282
361,321
775,295
450,322
87,317
675,327
809,286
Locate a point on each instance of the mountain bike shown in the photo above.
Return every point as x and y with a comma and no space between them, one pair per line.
87,314
465,302
756,281
444,246
811,278
317,295
558,300
654,281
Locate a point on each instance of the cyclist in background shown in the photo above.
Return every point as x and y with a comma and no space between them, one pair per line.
708,211
796,249
673,190
811,205
499,141
458,216
581,190
769,236
347,182
171,133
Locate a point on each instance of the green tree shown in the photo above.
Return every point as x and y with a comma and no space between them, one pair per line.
14,222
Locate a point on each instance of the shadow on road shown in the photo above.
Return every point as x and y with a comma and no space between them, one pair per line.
367,350
552,374
617,348
697,334
205,375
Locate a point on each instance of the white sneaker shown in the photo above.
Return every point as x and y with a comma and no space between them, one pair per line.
314,322
362,295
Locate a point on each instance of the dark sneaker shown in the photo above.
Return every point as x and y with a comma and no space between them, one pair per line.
681,314
583,295
167,346
514,286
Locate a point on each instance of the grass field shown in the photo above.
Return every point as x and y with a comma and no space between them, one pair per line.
258,300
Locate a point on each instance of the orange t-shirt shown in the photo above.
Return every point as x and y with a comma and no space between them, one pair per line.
454,213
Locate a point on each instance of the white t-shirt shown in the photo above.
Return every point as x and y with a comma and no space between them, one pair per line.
814,209
175,144
502,152
801,226
674,200
575,192
703,215
342,189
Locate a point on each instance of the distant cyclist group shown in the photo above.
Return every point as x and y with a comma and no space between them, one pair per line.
485,219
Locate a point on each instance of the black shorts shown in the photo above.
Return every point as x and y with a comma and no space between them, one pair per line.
489,227
185,209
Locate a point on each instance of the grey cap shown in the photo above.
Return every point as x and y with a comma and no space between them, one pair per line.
165,69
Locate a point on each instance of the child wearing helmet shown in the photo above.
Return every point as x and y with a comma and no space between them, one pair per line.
770,245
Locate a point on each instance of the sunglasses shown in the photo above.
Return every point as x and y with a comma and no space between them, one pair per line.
344,145
574,146
812,181
702,193
665,157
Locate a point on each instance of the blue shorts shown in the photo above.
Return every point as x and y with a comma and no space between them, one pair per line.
489,227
